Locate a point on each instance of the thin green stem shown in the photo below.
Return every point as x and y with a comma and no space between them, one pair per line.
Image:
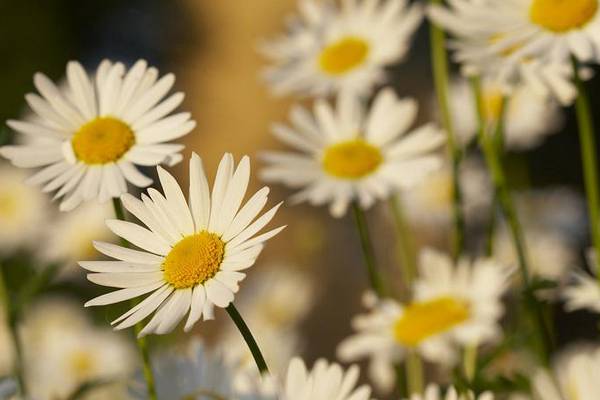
12,319
367,250
414,373
405,243
589,159
141,342
439,59
247,335
470,362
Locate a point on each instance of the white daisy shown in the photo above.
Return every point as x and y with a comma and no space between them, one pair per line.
433,392
584,293
352,153
453,305
23,210
191,254
329,48
516,41
90,135
528,119
576,376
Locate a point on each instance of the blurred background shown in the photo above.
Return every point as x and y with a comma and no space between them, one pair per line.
211,47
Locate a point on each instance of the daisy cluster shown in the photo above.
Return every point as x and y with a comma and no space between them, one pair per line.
472,323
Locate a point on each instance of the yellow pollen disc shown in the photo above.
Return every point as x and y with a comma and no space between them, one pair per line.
492,104
562,15
424,319
8,204
352,159
82,364
194,260
343,55
102,140
438,191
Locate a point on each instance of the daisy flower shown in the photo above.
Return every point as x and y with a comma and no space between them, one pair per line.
192,254
353,153
518,41
528,118
90,135
329,48
22,210
584,293
433,392
452,305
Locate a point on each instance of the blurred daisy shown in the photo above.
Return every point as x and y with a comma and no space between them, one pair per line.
90,135
528,119
69,237
584,292
523,41
22,211
351,153
433,392
191,254
452,305
328,48
65,351
576,376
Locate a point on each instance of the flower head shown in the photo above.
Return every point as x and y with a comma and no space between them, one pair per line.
433,392
584,292
192,253
89,136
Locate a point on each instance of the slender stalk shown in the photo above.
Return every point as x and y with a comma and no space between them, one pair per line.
414,373
588,157
367,250
470,362
405,244
141,342
14,333
247,335
439,59
489,148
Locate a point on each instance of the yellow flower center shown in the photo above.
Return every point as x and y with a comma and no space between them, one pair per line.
82,364
102,140
492,103
424,319
343,55
8,205
352,159
194,260
437,191
562,15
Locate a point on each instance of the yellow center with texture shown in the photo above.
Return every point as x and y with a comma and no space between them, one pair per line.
562,15
102,140
492,104
353,159
424,319
343,55
194,260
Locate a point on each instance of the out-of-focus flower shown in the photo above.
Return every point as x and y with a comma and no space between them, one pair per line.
452,305
90,135
192,254
433,392
528,118
68,238
329,49
23,210
524,41
352,153
65,350
576,376
584,293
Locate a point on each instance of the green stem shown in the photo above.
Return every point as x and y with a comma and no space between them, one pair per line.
406,247
439,59
12,320
141,342
588,157
247,335
414,373
367,250
489,148
470,362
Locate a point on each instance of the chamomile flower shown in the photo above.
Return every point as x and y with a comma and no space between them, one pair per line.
89,136
192,253
584,292
351,154
22,210
433,392
523,41
452,306
329,48
528,118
